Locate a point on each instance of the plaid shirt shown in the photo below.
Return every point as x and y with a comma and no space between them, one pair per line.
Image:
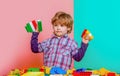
58,51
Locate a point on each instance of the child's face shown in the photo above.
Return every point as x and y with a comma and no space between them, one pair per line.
60,30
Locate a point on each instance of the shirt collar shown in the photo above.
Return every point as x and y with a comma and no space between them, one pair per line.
64,36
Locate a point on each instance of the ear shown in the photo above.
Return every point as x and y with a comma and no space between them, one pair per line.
68,29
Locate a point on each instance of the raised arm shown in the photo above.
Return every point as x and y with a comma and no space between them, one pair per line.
34,42
81,52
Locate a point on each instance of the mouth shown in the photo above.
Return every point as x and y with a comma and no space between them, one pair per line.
58,31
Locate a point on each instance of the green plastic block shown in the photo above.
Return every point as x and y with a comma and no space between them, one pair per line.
39,26
28,28
47,74
89,69
33,70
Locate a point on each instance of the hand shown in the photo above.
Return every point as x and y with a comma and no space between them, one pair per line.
36,30
85,40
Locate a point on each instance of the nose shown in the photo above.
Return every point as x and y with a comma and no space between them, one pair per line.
58,27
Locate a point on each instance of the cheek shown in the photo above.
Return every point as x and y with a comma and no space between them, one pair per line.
54,28
65,30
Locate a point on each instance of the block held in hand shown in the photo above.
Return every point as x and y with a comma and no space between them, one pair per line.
33,26
87,35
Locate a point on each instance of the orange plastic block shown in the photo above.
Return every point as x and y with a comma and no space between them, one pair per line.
87,35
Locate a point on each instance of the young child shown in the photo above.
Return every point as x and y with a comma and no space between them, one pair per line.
59,49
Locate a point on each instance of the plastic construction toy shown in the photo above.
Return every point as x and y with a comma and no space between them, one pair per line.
33,70
87,35
15,72
111,74
33,74
81,70
57,70
47,70
70,71
75,73
33,26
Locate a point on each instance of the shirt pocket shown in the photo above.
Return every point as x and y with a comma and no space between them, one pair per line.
49,50
65,51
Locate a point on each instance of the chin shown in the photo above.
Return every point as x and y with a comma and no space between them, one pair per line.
59,35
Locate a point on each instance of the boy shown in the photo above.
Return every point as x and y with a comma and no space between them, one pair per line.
59,49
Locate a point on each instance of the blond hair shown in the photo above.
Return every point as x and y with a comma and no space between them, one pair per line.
63,19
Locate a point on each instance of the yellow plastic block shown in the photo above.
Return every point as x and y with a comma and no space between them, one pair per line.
94,75
47,70
12,75
68,75
34,74
117,74
95,72
70,71
14,72
103,71
87,32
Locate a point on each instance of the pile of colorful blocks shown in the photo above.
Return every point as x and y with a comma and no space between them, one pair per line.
47,71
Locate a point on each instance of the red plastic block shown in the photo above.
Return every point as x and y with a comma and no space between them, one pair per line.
42,70
81,73
111,74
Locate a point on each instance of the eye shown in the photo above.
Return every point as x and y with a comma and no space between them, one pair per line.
55,25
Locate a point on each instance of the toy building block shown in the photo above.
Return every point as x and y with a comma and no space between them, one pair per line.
117,74
33,74
47,70
57,70
33,70
94,75
89,69
75,73
47,74
70,71
42,69
87,35
15,72
22,71
111,74
29,27
57,75
85,73
81,70
39,25
96,72
12,75
103,71
33,26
